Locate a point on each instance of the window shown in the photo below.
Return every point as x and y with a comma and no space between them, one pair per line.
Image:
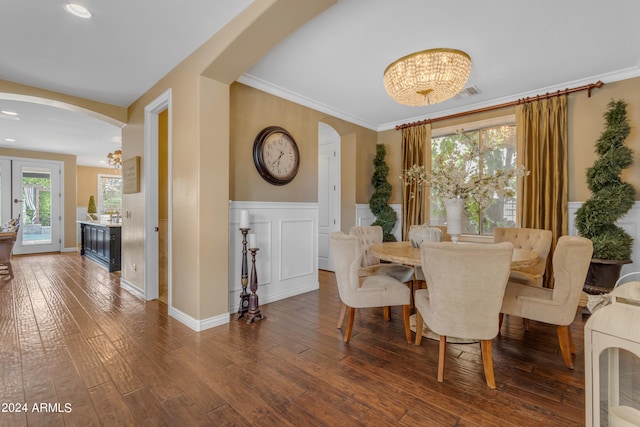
500,135
109,194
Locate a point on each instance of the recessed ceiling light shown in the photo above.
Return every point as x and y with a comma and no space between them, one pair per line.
10,140
77,10
9,113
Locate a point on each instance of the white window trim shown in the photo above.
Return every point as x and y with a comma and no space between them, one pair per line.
480,124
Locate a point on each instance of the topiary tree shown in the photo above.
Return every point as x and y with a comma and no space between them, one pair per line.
386,217
611,197
91,209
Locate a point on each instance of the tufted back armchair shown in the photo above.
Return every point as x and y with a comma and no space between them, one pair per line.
368,291
367,236
556,306
532,239
466,283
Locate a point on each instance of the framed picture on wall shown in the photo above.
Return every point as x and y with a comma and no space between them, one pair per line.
131,175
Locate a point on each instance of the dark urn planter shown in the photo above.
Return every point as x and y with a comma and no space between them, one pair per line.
602,275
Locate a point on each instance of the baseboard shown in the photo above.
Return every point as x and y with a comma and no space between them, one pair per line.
132,288
198,325
71,249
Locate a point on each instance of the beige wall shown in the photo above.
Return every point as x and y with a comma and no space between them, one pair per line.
585,126
87,182
585,123
252,110
200,157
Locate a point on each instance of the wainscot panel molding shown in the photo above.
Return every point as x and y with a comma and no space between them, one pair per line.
630,223
364,216
287,262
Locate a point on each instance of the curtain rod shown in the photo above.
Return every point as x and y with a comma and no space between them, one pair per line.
588,88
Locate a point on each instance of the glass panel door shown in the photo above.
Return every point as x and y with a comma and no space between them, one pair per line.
36,198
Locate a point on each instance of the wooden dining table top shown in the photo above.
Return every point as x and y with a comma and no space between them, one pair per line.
405,253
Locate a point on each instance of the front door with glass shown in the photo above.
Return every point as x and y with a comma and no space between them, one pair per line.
36,197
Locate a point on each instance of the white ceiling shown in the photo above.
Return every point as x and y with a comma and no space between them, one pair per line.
333,64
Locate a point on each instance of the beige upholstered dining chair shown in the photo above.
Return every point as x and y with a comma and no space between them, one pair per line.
556,306
368,291
532,239
419,275
466,283
371,266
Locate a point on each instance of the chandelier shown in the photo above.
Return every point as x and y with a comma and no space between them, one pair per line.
427,77
115,158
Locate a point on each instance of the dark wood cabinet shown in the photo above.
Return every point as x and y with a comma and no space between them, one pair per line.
102,243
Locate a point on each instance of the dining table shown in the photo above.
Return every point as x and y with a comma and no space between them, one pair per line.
405,253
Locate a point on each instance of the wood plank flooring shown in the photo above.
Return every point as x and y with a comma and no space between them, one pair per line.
86,352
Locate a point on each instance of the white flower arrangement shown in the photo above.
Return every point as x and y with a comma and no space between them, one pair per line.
459,175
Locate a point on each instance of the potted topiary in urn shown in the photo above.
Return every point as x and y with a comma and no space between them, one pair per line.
611,198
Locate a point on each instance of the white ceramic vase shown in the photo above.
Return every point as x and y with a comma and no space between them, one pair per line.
454,209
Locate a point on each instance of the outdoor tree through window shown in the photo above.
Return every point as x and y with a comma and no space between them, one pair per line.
499,147
109,194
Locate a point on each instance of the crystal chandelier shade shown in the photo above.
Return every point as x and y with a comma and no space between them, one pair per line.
115,158
427,77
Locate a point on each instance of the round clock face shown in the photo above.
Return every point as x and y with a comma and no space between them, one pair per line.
276,155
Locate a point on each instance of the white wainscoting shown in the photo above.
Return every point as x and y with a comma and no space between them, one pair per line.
630,223
287,262
364,216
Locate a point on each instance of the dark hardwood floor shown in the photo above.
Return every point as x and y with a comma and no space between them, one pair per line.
86,352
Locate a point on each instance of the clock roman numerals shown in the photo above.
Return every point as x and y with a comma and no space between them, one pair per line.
276,155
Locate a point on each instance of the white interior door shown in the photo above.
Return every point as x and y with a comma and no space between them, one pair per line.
36,197
6,201
328,193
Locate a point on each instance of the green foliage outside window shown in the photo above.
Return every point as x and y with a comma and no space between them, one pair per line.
501,156
110,194
42,212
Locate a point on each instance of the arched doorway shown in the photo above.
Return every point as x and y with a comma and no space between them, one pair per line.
328,191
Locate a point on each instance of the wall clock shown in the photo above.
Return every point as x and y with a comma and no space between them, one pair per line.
276,155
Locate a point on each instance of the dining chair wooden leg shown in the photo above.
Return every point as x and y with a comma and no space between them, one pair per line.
419,323
487,362
413,285
343,310
406,311
572,345
352,315
386,313
526,323
500,319
442,354
564,337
